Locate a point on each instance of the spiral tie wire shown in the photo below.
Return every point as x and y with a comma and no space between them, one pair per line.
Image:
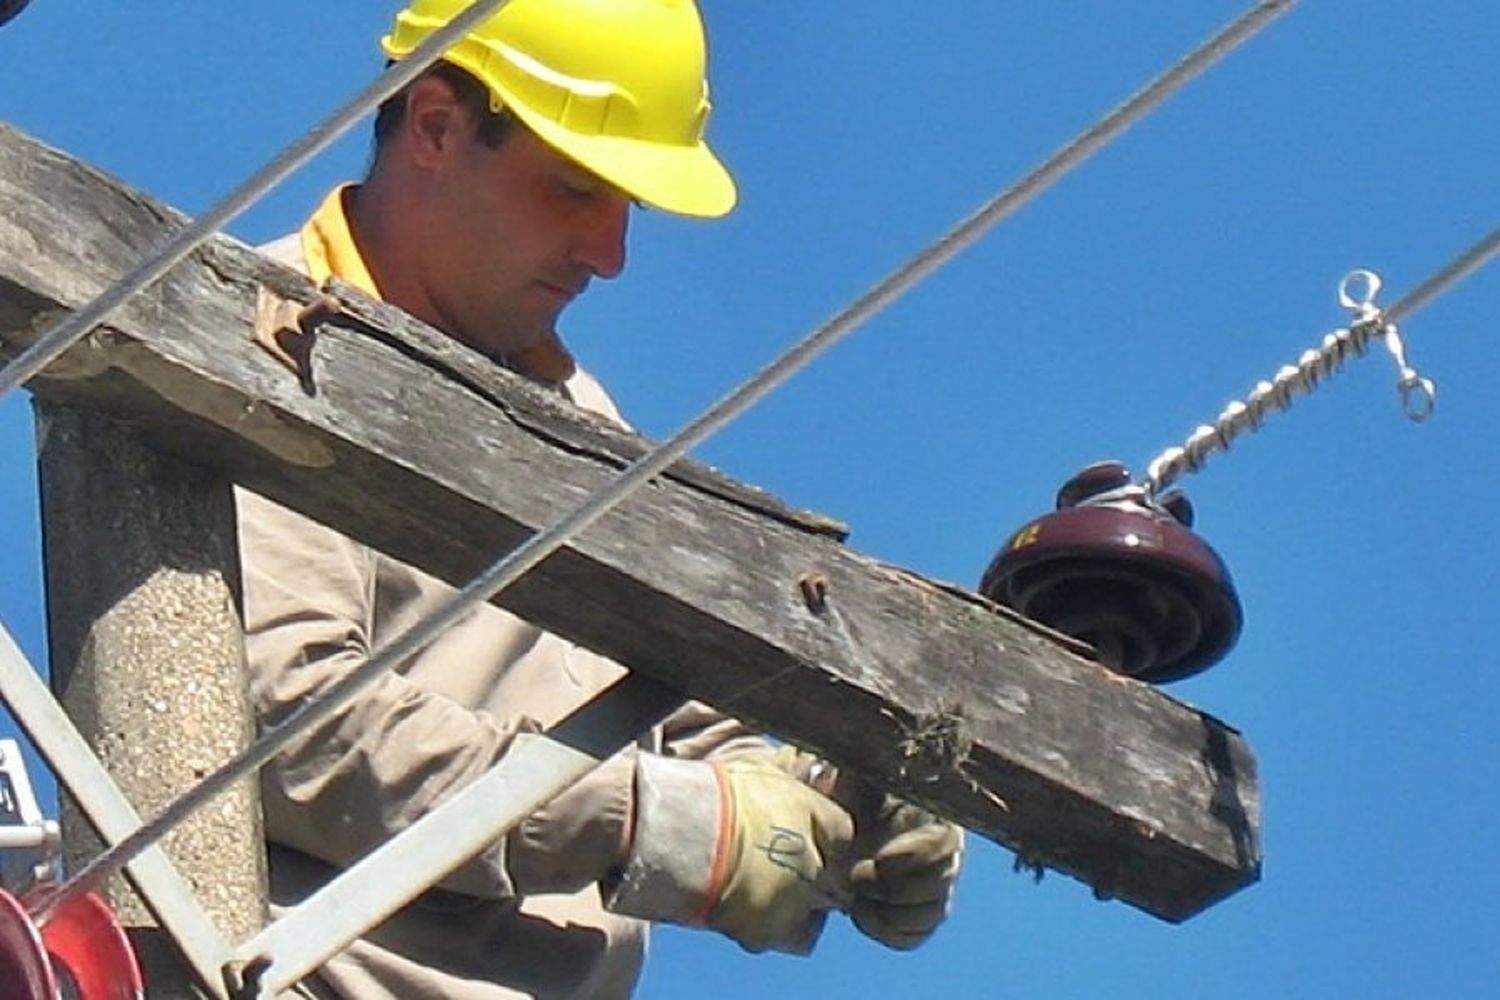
1357,294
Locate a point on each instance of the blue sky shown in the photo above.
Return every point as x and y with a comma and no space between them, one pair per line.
1165,277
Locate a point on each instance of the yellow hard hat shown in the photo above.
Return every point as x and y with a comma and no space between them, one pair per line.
617,85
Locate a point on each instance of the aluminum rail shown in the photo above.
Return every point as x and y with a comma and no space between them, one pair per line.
520,560
70,328
535,769
111,813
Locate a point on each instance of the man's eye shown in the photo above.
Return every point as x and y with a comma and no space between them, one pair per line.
579,189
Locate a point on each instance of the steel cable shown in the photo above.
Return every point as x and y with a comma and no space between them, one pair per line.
512,566
1466,263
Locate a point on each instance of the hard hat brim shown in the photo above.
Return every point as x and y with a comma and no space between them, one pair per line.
686,180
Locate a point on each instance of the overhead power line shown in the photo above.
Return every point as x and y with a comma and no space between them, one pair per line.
1460,267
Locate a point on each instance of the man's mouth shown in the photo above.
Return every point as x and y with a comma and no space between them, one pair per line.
563,291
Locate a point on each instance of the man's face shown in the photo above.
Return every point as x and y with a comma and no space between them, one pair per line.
514,234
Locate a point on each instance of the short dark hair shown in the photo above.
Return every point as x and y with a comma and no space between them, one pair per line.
491,127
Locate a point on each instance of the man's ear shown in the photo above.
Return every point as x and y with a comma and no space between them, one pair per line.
435,123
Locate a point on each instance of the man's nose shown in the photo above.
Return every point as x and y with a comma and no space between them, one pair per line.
601,241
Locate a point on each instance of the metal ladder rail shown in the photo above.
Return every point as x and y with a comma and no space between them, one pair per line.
537,767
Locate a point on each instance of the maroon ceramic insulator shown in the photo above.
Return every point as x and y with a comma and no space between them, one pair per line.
1124,573
10,8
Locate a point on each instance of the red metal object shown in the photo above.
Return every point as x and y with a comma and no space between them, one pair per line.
81,954
89,950
25,972
1124,573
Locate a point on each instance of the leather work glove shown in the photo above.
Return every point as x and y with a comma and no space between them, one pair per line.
739,846
907,867
905,861
786,847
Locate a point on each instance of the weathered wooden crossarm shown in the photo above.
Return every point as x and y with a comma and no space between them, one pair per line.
410,444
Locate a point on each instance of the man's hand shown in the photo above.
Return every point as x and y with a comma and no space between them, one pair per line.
737,845
905,861
907,865
787,843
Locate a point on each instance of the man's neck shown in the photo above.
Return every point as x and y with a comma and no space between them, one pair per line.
375,227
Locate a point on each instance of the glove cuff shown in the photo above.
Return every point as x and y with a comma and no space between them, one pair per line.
678,857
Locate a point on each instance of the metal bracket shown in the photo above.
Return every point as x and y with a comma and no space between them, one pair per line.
284,328
33,843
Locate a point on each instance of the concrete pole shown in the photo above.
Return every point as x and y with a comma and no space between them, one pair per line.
147,657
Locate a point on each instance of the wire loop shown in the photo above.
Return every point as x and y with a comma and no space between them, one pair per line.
1418,394
1357,292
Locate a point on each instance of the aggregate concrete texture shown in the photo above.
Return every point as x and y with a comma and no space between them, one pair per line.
147,650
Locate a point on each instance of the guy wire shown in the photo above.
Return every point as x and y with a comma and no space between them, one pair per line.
1466,263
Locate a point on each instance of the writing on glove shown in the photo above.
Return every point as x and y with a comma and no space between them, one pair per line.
785,852
740,846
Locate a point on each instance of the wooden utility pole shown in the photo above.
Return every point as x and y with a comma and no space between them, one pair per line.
406,441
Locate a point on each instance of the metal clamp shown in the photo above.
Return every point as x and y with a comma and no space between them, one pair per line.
1357,294
33,843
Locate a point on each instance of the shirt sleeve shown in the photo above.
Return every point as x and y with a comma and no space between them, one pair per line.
388,757
697,732
398,750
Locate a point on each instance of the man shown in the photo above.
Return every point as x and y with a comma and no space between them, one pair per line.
502,184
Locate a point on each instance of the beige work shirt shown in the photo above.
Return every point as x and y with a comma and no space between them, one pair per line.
524,918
